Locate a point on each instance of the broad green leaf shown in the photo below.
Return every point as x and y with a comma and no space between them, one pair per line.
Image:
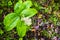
21,6
27,4
18,7
10,21
20,38
29,12
21,29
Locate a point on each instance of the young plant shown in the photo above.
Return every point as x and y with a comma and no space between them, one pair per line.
18,18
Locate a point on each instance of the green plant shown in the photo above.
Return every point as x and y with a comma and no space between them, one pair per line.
1,11
1,32
16,19
9,3
54,19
